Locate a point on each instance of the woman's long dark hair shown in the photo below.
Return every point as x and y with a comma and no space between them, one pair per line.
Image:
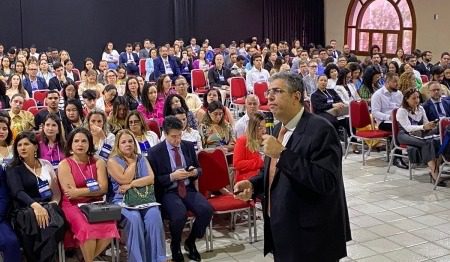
168,104
160,83
17,160
205,96
64,90
127,89
9,137
77,104
406,95
368,77
342,77
144,97
60,138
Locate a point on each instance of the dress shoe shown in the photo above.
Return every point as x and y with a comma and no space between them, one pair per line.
192,251
400,164
177,256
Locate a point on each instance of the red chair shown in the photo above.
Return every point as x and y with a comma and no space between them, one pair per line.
142,71
77,72
443,124
153,126
199,83
29,103
360,117
238,92
397,146
40,95
35,109
215,177
424,78
260,88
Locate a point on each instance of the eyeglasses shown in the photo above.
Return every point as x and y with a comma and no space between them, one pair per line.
134,122
274,91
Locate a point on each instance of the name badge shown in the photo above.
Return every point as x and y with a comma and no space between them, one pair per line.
92,184
145,147
55,164
44,189
261,77
330,100
221,78
105,151
195,146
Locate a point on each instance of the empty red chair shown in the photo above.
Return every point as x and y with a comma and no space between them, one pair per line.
199,83
215,177
360,117
142,71
153,126
238,92
40,95
35,109
260,89
29,103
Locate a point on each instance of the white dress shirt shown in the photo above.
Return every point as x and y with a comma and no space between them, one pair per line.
383,102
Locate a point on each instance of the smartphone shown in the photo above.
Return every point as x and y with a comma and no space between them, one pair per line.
189,169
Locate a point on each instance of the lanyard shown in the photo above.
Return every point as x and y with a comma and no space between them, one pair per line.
327,94
34,171
57,150
81,172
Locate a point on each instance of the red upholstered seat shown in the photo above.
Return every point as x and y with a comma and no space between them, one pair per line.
226,202
373,133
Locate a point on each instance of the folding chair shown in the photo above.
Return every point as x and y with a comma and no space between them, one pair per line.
397,146
359,117
442,127
260,89
215,177
142,71
424,78
40,95
29,103
199,83
238,92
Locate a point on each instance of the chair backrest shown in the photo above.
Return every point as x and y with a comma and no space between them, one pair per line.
198,79
443,123
153,126
260,88
76,71
35,109
424,78
40,95
359,114
214,171
29,103
142,67
395,127
237,87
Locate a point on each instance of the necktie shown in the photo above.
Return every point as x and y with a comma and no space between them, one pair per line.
180,183
439,109
129,57
273,164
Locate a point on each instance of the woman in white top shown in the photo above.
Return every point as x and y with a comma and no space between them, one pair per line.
145,138
414,125
44,71
331,71
111,56
346,91
97,124
400,55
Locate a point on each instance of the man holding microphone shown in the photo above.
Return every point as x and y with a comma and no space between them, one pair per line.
305,210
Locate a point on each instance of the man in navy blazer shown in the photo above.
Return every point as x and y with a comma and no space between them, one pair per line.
165,64
436,107
175,165
33,82
304,207
130,60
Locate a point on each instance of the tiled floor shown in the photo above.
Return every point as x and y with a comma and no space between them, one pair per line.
393,220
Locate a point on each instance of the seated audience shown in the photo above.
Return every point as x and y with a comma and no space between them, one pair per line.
238,68
52,102
251,107
74,173
145,138
5,69
370,83
117,118
70,72
148,107
257,73
105,102
436,107
343,88
103,139
132,93
15,87
407,81
21,120
32,81
218,76
192,100
111,56
414,125
165,65
52,142
174,101
437,74
332,72
89,64
213,95
215,130
59,80
143,227
34,190
129,60
74,115
90,83
176,190
89,100
69,91
247,159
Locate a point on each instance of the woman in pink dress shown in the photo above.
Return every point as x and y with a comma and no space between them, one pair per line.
164,89
75,172
148,106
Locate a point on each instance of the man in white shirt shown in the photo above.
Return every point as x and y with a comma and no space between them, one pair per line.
251,107
257,73
383,101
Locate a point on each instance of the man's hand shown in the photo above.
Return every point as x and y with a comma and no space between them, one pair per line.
179,174
271,146
243,190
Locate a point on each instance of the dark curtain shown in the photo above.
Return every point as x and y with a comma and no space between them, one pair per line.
294,19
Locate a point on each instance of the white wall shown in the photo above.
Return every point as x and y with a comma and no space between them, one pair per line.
431,34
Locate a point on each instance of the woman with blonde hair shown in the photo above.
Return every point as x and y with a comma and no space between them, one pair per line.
407,81
247,161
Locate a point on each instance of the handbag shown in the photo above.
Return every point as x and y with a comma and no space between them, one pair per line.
139,195
98,212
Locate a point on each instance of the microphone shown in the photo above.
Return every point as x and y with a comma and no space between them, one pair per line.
269,122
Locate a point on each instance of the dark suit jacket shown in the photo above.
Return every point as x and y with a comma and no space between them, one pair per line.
131,68
160,162
54,83
27,85
319,100
424,69
309,218
158,64
431,111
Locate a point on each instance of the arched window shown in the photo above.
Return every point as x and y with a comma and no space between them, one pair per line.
390,24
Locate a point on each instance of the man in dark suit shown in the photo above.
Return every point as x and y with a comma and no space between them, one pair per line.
33,82
59,80
436,107
425,66
165,64
305,210
176,168
130,60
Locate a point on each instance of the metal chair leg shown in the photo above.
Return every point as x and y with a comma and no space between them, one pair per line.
438,177
211,236
255,231
249,224
61,254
